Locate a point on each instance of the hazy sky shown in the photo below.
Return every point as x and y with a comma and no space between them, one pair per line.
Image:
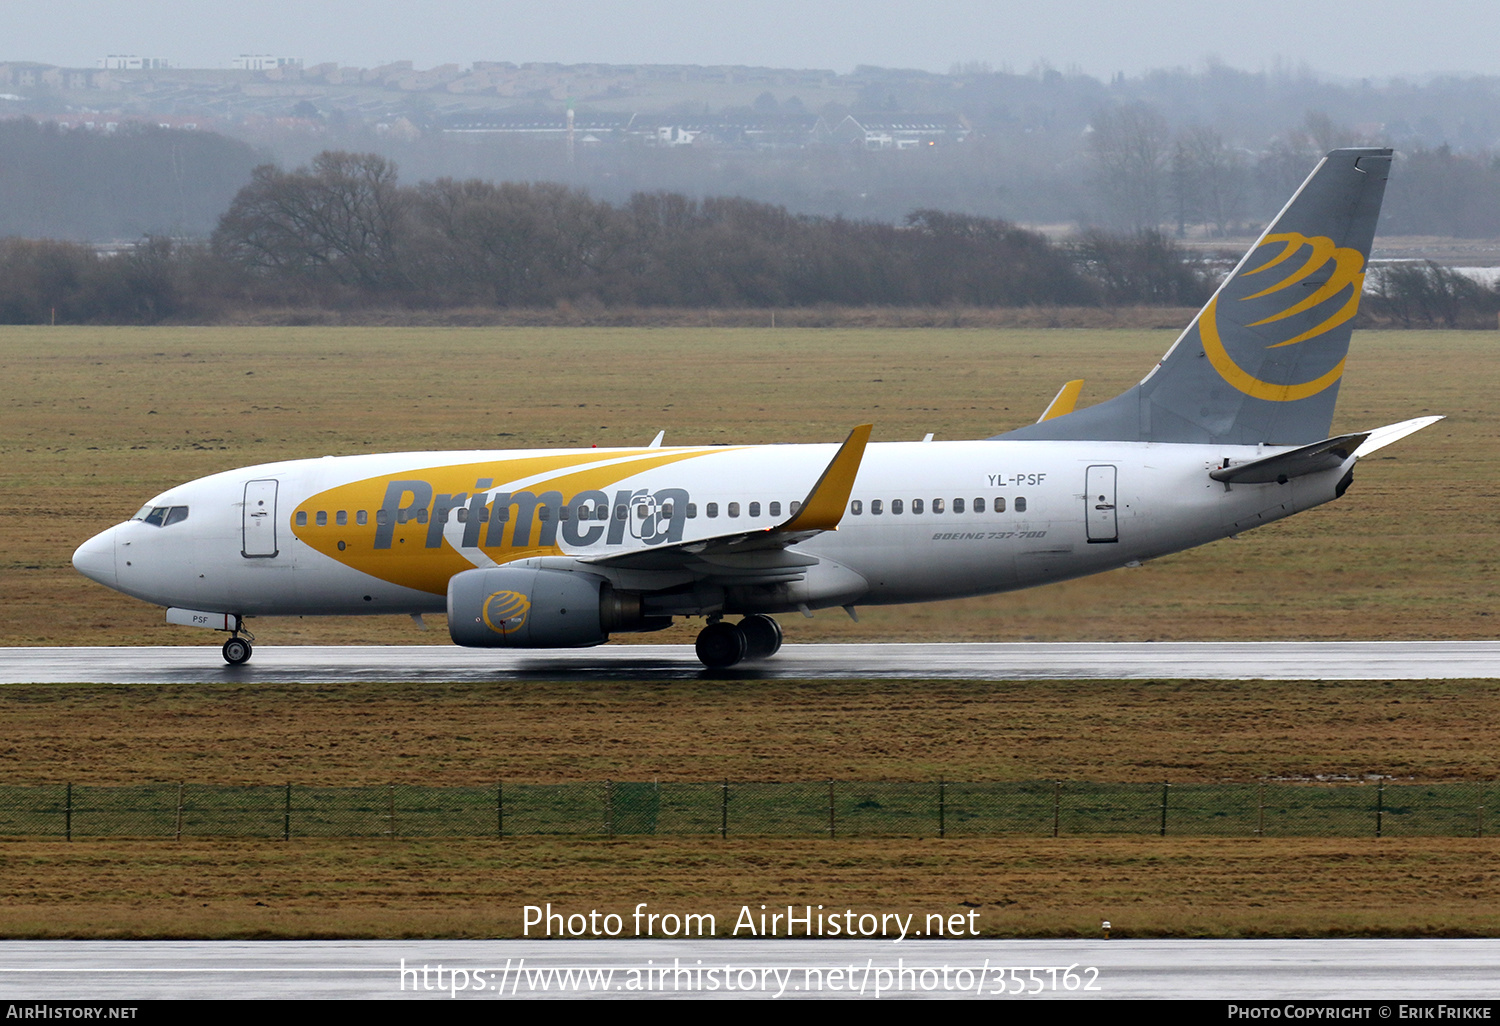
1341,38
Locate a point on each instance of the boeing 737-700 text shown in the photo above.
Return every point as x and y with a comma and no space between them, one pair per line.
562,547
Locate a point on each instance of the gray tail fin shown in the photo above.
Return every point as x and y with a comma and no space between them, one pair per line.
1262,361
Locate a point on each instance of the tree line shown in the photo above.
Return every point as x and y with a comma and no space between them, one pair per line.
344,232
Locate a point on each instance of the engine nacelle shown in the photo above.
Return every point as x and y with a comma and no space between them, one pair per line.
521,607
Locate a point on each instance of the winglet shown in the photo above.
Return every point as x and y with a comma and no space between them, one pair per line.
825,504
1063,402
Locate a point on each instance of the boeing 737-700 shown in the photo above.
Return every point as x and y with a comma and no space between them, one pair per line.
563,547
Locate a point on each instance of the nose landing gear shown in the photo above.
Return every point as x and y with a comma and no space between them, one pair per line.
723,644
237,649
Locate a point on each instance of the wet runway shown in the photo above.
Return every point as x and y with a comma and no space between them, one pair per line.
1267,660
1375,973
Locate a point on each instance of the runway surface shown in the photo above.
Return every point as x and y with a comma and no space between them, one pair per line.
1268,660
1374,973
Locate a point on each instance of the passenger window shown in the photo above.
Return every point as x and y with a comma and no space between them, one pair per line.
775,509
895,507
322,518
1020,504
734,509
382,518
302,517
463,515
978,505
543,512
999,504
422,515
958,505
876,507
937,505
361,518
916,505
692,511
563,514
341,517
795,507
641,512
713,510
667,510
856,507
622,512
755,509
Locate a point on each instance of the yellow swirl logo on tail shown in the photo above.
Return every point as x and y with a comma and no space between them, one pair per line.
1345,270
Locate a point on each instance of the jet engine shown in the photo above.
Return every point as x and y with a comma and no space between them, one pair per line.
517,607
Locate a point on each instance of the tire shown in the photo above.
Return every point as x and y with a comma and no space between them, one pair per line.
762,636
720,645
236,651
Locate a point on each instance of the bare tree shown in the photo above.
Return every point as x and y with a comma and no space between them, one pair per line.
1130,147
340,220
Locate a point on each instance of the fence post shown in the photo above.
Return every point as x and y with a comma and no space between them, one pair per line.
499,808
1056,805
179,810
68,814
942,808
1379,806
832,826
724,810
1164,786
286,814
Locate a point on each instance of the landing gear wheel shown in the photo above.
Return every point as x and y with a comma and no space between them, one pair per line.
236,651
762,636
721,644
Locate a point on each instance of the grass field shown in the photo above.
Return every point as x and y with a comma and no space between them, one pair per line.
94,421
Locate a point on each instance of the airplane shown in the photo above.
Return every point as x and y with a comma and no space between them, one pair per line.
548,548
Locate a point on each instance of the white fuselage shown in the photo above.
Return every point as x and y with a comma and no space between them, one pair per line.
925,520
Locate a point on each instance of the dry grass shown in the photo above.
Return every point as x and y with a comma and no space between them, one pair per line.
1022,887
450,734
94,421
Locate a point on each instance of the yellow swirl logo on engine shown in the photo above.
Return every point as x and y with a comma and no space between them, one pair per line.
505,611
1345,270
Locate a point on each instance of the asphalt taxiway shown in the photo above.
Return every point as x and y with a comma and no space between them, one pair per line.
1377,974
1265,660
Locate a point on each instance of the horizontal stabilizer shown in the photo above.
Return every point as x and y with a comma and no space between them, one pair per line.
1282,467
1381,437
1325,455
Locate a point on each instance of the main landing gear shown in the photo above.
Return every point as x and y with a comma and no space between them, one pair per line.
723,644
237,649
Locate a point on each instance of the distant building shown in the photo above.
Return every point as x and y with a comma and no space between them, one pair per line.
130,62
264,62
901,132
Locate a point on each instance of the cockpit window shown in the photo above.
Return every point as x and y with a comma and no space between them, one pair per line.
162,516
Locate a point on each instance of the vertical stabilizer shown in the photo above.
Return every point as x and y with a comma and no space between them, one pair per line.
1262,361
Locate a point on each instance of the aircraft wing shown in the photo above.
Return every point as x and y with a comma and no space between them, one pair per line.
763,555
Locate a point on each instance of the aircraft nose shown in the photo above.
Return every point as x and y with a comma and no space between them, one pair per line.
95,558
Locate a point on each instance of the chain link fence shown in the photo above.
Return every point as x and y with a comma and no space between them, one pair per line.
730,808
